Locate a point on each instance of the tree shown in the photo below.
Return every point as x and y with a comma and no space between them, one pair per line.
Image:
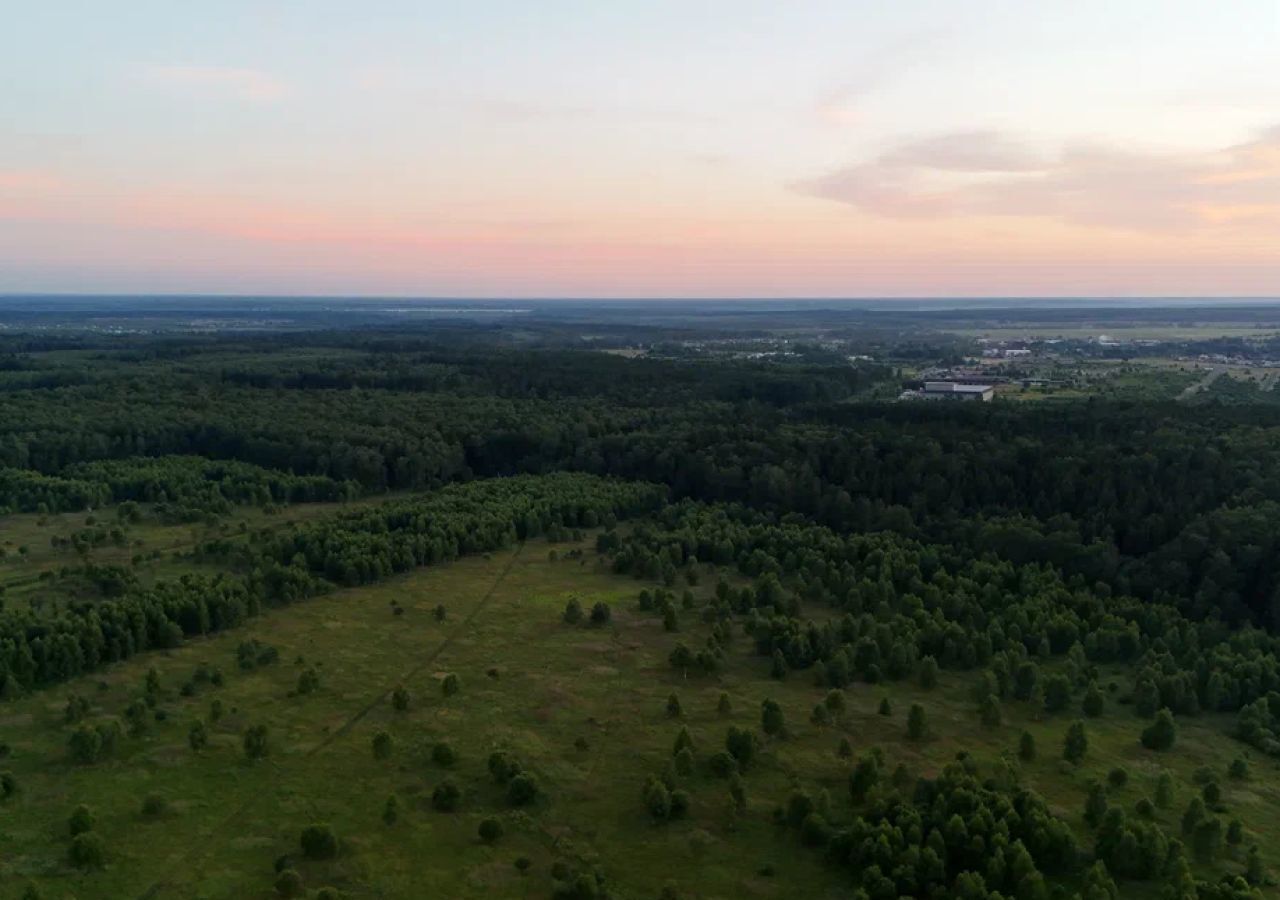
381,745
1027,747
917,725
885,708
400,698
1057,693
87,851
844,750
289,883
670,621
674,710
1095,805
1098,884
741,744
1093,703
928,673
1161,733
85,745
1206,839
1193,816
442,754
8,785
391,810
1238,770
1076,743
446,796
490,830
834,701
255,742
450,685
601,614
572,611
684,740
522,790
82,819
318,842
724,706
772,721
657,799
778,669
863,778
198,737
1255,871
990,712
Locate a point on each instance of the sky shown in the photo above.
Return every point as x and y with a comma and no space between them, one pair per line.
700,148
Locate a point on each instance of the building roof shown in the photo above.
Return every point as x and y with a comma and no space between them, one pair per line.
939,387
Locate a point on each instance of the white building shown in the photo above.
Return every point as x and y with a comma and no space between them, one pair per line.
949,390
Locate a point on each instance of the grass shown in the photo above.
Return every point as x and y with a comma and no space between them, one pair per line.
530,685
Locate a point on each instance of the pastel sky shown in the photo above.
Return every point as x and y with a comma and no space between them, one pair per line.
607,148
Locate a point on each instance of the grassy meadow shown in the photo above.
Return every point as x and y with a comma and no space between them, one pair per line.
583,708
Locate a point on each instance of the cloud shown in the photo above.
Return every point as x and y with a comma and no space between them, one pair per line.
992,174
244,84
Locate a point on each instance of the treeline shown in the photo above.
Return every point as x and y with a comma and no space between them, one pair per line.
37,650
903,603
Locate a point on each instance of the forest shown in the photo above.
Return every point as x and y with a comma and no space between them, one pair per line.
1071,605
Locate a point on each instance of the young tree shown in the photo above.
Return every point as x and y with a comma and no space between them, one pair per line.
917,725
684,740
601,614
381,745
990,712
318,842
1164,790
724,706
928,673
446,796
1076,743
1057,693
1161,733
1095,806
572,611
255,742
522,790
1093,703
198,736
490,830
1027,747
885,708
741,744
450,685
772,721
82,819
674,710
87,851
400,698
391,810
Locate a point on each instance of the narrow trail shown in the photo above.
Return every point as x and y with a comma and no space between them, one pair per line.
184,861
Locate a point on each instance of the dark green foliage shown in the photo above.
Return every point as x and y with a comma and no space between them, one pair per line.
442,754
1118,777
522,790
741,743
572,611
446,796
1095,806
928,673
87,851
318,842
82,819
772,721
490,830
8,785
1164,790
885,709
289,883
1076,743
1161,733
391,810
724,706
1238,770
600,614
917,723
450,685
198,736
1094,704
154,805
400,698
502,767
990,712
674,710
1027,747
255,742
381,745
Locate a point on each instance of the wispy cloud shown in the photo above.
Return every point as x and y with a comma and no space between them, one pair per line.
244,84
993,174
842,103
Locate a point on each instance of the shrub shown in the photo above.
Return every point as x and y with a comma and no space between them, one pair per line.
1118,777
1161,733
674,710
82,819
572,611
1027,747
601,614
381,745
450,685
400,698
442,754
154,805
318,842
722,764
446,796
198,736
490,830
289,883
1239,769
8,785
502,767
255,742
917,724
87,851
522,790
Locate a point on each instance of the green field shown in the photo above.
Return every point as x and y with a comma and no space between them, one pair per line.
582,708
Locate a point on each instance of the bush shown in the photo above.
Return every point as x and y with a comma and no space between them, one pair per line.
502,767
601,614
8,785
289,884
381,745
255,742
1238,770
1161,733
87,851
490,830
450,685
154,805
318,842
82,819
198,736
722,764
442,754
1118,777
917,724
400,698
446,796
1027,747
522,790
572,611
